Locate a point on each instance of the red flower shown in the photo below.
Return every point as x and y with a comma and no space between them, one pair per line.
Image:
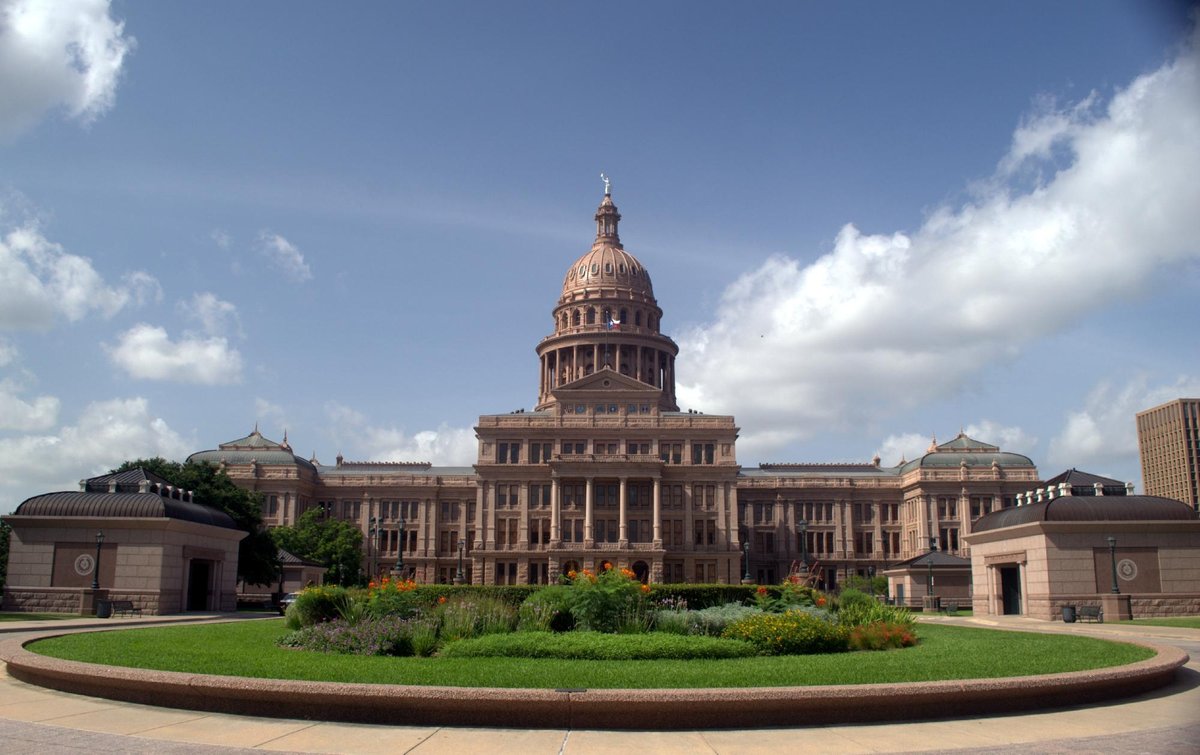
762,590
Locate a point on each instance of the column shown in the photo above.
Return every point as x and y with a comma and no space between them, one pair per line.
588,540
732,504
489,537
689,528
657,512
622,532
555,514
839,537
479,501
523,509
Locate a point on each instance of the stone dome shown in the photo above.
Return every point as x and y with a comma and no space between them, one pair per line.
607,265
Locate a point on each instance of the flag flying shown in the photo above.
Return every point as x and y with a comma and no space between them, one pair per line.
614,324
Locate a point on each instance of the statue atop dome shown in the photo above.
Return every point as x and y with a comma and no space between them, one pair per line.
607,187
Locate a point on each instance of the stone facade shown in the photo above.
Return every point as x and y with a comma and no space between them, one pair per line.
606,468
159,550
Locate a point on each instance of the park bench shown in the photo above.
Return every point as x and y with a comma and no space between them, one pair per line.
125,607
950,608
1090,613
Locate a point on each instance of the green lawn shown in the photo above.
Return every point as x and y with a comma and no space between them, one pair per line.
248,649
1190,622
17,616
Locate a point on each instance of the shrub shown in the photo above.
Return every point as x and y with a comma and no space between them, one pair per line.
700,596
425,641
598,647
547,610
852,597
316,605
714,619
395,597
858,614
388,636
466,616
789,633
882,635
603,602
671,621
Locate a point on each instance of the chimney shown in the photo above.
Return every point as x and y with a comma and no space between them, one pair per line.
1129,488
1063,489
1098,487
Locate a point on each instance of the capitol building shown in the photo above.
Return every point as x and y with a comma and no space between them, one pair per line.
607,469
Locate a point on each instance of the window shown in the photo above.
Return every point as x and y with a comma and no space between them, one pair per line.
575,317
540,453
704,497
449,511
705,532
635,447
702,453
591,316
539,531
506,533
573,447
539,496
764,542
508,452
506,496
506,572
764,513
670,453
672,532
672,497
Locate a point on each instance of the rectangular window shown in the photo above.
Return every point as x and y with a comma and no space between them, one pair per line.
573,447
670,453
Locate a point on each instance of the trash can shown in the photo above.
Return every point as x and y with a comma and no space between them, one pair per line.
103,609
1068,614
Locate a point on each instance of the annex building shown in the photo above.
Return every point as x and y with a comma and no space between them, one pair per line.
1169,447
606,468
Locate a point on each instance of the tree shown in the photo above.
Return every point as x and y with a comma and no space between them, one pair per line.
334,543
258,562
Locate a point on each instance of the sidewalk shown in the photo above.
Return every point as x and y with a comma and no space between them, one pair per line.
33,719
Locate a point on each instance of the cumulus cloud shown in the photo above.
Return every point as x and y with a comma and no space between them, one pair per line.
446,446
887,321
270,412
1102,435
63,55
909,446
40,282
902,447
40,413
147,352
215,317
285,256
105,434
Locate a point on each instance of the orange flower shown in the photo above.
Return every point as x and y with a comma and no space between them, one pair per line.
572,574
441,599
820,602
645,588
762,590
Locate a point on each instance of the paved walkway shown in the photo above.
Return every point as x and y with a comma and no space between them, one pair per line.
33,719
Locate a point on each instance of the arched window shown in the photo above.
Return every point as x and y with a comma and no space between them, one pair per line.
591,316
624,317
575,317
637,318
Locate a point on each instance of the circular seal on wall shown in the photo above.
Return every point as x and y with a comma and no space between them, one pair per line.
1126,569
84,565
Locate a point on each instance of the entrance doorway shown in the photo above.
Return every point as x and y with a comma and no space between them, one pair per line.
197,592
1010,589
641,571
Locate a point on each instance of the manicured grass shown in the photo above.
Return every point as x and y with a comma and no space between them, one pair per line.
248,649
1189,622
17,616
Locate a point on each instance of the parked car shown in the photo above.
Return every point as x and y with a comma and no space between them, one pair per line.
286,601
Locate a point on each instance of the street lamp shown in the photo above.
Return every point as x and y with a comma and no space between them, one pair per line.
1112,553
802,531
100,540
398,569
373,540
460,577
746,552
871,579
933,546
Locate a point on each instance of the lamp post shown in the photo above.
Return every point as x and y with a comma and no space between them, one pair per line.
398,569
460,577
746,557
100,540
373,546
933,546
1112,553
802,531
871,580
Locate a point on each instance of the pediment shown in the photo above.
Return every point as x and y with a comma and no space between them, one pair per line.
606,381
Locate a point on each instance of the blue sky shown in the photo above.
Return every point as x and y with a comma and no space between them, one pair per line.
867,223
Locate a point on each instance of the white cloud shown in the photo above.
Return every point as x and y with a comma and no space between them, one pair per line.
884,322
40,282
221,238
270,412
65,54
215,317
143,287
40,413
902,447
8,352
106,434
1103,434
147,352
285,256
445,446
